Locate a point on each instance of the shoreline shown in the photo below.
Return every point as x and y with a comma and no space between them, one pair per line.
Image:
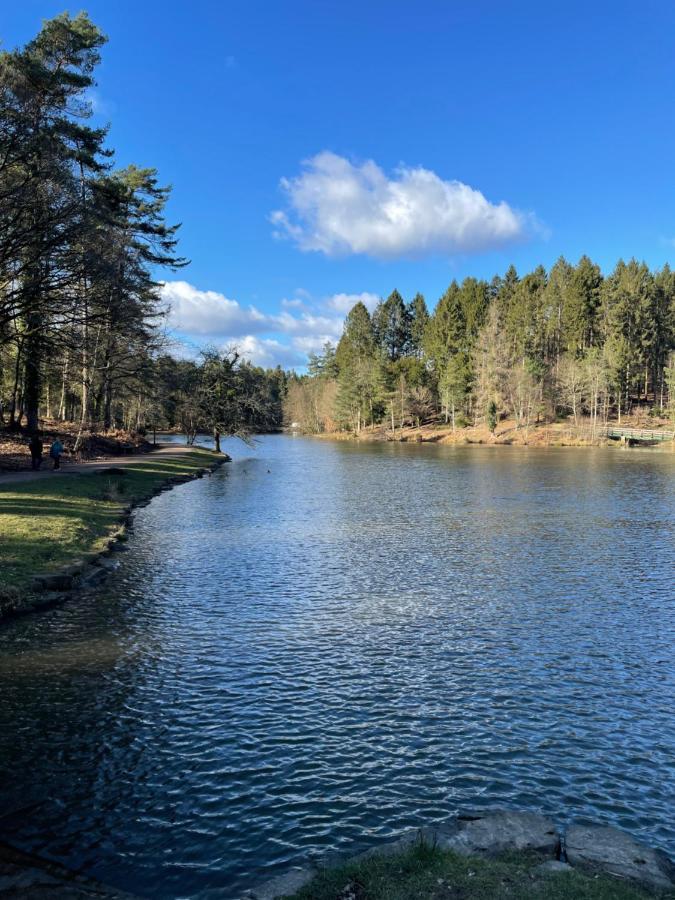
88,512
505,851
539,436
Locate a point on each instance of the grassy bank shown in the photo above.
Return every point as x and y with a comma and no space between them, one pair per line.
48,524
428,873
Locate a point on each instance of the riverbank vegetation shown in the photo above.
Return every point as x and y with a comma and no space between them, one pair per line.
48,524
569,343
82,324
429,873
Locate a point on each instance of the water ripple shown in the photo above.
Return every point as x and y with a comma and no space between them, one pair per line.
294,660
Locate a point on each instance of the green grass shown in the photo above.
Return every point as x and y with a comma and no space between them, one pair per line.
427,873
46,525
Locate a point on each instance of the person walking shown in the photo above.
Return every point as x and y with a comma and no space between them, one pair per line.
36,447
55,452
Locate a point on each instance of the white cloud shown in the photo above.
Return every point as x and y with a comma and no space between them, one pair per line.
267,352
342,303
208,312
337,207
198,318
307,323
312,343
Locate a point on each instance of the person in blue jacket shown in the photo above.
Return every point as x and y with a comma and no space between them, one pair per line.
55,452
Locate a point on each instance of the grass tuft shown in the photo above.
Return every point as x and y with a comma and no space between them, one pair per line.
426,872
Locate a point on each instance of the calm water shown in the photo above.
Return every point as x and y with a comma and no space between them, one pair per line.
325,642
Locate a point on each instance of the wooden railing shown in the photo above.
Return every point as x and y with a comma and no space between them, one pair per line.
651,435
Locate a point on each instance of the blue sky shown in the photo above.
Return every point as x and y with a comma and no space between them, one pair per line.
555,118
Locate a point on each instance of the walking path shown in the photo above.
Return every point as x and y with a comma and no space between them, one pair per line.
174,451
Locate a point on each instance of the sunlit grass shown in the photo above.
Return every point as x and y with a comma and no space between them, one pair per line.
46,525
428,873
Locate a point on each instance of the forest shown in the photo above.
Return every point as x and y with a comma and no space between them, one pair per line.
565,343
83,336
82,245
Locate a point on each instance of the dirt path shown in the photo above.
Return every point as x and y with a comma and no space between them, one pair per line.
67,468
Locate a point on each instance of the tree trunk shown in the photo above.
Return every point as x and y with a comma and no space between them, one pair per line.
31,389
61,415
138,413
15,390
107,407
84,412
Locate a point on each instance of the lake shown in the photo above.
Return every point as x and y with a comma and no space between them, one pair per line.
327,643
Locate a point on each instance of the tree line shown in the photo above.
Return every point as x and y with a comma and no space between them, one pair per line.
568,342
82,325
81,245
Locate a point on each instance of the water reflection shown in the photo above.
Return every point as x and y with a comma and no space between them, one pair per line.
328,640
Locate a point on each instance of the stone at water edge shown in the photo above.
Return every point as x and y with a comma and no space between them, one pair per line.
105,562
501,831
282,885
424,835
598,847
60,581
94,577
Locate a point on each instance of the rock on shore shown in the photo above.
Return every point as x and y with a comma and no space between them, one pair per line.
499,832
589,848
604,849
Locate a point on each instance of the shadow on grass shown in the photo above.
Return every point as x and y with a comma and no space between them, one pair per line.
46,525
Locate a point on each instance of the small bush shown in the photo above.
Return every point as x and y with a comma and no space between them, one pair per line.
491,416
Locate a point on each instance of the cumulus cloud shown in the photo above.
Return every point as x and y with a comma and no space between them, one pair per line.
342,303
285,337
208,312
268,352
337,207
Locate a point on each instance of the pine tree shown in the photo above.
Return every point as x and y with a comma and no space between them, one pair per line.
474,299
360,380
626,301
453,385
391,326
664,330
555,300
580,310
419,316
47,152
324,364
446,329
